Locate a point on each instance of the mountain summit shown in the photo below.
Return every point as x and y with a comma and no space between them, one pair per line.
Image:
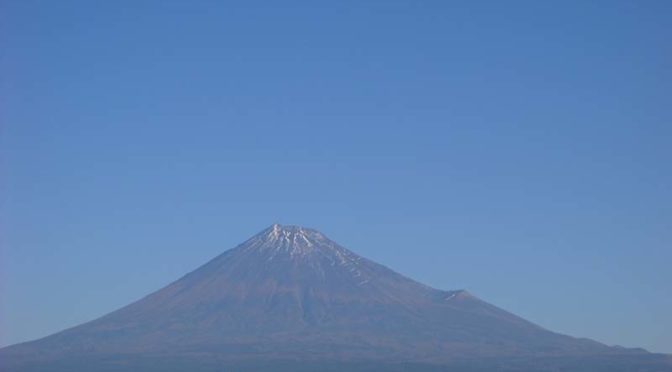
291,296
295,241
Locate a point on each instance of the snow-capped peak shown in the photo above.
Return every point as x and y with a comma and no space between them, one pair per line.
299,242
295,240
294,235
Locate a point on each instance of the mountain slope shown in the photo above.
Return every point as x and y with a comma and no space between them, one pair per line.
290,293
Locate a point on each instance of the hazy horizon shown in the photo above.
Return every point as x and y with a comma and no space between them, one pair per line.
518,151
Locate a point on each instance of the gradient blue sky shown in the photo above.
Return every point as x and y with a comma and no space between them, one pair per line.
520,150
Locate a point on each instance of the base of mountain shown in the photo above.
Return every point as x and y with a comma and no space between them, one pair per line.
126,363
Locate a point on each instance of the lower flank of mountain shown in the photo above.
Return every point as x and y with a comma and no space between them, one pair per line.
201,363
290,299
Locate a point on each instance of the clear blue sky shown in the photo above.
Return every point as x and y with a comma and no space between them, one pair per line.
520,150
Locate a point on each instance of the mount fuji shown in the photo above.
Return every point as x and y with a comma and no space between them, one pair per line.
291,299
